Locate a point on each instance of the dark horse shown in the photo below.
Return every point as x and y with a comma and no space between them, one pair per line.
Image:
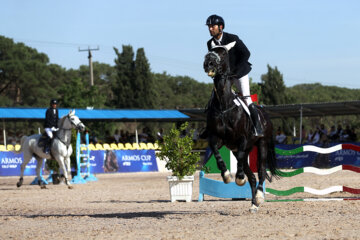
228,124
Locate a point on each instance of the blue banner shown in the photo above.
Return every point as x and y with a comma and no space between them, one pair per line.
11,162
313,159
130,161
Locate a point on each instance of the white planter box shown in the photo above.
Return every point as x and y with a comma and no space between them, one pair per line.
180,189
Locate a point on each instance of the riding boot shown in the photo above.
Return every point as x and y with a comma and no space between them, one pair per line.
256,120
47,145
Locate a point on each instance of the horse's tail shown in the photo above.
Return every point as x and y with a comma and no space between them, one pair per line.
272,161
23,138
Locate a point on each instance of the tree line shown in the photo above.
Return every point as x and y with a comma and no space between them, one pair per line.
28,79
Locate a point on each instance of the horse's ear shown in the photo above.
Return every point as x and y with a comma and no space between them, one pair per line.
73,112
230,45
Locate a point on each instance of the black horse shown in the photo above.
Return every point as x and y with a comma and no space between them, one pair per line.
228,124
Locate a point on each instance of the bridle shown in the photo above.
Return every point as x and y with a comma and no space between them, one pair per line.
66,129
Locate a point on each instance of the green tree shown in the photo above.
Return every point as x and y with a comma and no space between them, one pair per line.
24,75
273,88
122,87
143,84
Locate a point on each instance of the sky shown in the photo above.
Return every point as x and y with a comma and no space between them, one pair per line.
309,41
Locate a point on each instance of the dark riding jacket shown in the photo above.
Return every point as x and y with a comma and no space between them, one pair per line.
238,55
51,118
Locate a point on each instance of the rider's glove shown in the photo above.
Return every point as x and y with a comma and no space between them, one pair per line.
54,129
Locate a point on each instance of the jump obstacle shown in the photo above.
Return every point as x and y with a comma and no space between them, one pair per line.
221,190
83,173
317,171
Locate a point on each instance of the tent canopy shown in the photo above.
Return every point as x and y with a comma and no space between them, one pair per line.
38,114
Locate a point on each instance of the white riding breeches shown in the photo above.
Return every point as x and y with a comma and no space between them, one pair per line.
49,132
243,87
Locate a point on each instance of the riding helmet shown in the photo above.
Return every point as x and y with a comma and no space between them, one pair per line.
53,101
215,20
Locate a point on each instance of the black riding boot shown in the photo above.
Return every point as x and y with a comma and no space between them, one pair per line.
256,120
47,145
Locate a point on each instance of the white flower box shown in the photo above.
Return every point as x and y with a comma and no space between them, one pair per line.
180,189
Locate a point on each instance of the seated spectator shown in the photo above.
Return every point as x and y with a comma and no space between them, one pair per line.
117,136
310,136
316,136
160,135
353,136
280,137
333,134
345,136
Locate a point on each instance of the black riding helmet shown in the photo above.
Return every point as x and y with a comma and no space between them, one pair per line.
215,20
53,101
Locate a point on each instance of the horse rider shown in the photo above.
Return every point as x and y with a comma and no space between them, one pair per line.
239,65
51,123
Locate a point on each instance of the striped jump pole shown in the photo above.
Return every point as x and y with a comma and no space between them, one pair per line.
316,171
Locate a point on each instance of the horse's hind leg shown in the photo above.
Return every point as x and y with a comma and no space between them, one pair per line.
262,156
39,163
225,173
252,181
27,158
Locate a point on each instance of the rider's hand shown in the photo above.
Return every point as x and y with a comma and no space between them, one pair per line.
54,129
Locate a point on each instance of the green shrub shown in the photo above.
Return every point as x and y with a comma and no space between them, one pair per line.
176,150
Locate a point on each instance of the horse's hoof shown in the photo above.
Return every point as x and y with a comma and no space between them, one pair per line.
70,187
253,209
259,197
240,182
18,184
226,177
43,186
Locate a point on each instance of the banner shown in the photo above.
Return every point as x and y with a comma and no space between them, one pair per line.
100,162
11,162
130,161
314,159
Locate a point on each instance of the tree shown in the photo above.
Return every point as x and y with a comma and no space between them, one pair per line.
143,84
273,88
24,74
122,88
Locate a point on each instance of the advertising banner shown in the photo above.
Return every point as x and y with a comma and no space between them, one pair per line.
100,162
319,160
10,164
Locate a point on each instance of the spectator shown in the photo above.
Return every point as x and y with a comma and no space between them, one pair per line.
195,134
333,134
280,137
160,135
310,136
353,136
117,136
316,136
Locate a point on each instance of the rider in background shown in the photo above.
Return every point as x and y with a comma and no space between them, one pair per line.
51,123
239,65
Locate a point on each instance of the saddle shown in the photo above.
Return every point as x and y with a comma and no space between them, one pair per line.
44,142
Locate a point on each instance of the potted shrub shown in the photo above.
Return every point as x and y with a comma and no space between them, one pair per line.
176,151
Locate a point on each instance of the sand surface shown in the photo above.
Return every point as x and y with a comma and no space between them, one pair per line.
137,206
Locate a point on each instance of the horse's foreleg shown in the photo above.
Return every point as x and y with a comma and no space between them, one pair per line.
61,160
225,173
240,176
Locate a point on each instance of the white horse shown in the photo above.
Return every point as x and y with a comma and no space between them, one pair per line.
61,148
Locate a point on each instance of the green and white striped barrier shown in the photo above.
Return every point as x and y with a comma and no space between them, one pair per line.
316,171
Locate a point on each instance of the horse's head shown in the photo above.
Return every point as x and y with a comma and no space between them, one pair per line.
217,60
75,121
